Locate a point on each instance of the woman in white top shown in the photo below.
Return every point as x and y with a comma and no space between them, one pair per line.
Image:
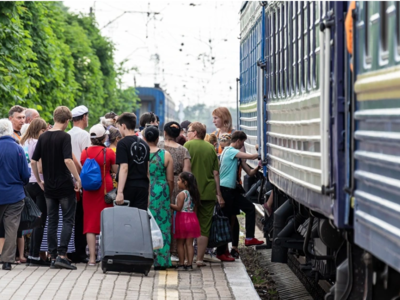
28,142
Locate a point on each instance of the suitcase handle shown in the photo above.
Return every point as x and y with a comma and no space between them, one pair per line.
127,202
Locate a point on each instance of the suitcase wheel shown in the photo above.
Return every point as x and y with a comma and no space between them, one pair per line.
104,270
146,273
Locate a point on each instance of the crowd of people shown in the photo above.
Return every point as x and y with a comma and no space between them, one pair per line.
179,174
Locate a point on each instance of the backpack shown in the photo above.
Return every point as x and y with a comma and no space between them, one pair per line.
91,173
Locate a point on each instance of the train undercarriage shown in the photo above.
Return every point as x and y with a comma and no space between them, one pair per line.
325,259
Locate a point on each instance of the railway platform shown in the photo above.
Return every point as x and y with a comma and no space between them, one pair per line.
215,281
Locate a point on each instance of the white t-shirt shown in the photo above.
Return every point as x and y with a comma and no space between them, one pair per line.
29,148
80,139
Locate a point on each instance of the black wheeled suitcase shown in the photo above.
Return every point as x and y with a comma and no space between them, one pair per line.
125,240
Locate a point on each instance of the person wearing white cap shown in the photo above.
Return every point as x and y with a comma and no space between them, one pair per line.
80,139
93,201
79,136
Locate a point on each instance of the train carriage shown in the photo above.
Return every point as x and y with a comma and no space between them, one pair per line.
328,124
377,130
158,101
251,52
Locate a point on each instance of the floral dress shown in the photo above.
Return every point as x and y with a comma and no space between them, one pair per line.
159,206
179,154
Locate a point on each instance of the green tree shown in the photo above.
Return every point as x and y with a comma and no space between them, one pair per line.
51,57
18,67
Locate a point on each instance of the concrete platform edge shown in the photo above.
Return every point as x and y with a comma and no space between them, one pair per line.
239,281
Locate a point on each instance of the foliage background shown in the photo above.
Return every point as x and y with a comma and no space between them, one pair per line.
51,57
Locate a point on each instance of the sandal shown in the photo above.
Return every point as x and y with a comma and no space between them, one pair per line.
200,263
91,264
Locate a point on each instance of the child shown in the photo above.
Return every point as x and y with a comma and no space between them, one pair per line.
186,223
213,140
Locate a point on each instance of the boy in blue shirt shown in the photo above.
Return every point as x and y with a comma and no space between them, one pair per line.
234,200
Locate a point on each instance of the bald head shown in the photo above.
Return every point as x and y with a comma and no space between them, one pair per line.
30,115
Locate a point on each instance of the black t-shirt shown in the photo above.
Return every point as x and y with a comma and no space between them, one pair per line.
135,152
53,147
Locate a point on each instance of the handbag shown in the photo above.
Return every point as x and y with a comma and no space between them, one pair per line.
220,232
31,216
111,195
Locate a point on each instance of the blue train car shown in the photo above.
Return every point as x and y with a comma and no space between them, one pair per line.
327,122
251,50
157,101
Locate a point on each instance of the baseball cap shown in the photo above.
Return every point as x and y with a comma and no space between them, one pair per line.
185,124
98,131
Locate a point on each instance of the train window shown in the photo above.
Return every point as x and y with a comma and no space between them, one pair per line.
313,44
307,56
273,56
287,42
300,32
366,28
278,51
289,11
384,25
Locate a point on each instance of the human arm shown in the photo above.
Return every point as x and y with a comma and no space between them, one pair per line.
71,167
180,199
169,164
36,157
219,195
187,166
248,170
34,165
122,176
245,155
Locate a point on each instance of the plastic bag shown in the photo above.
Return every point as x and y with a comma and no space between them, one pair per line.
156,235
30,215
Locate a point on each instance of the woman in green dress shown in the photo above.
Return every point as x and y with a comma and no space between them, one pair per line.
161,168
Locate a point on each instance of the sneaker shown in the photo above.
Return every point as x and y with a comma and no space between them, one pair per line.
181,268
225,257
211,258
174,258
235,253
63,263
39,263
253,242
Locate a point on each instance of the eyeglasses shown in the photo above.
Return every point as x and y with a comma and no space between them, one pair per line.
191,131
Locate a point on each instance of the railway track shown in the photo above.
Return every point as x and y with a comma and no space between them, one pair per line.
291,282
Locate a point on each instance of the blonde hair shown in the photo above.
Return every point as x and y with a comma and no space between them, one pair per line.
207,137
224,114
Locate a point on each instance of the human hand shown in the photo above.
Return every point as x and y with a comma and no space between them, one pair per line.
221,201
41,184
78,185
119,200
